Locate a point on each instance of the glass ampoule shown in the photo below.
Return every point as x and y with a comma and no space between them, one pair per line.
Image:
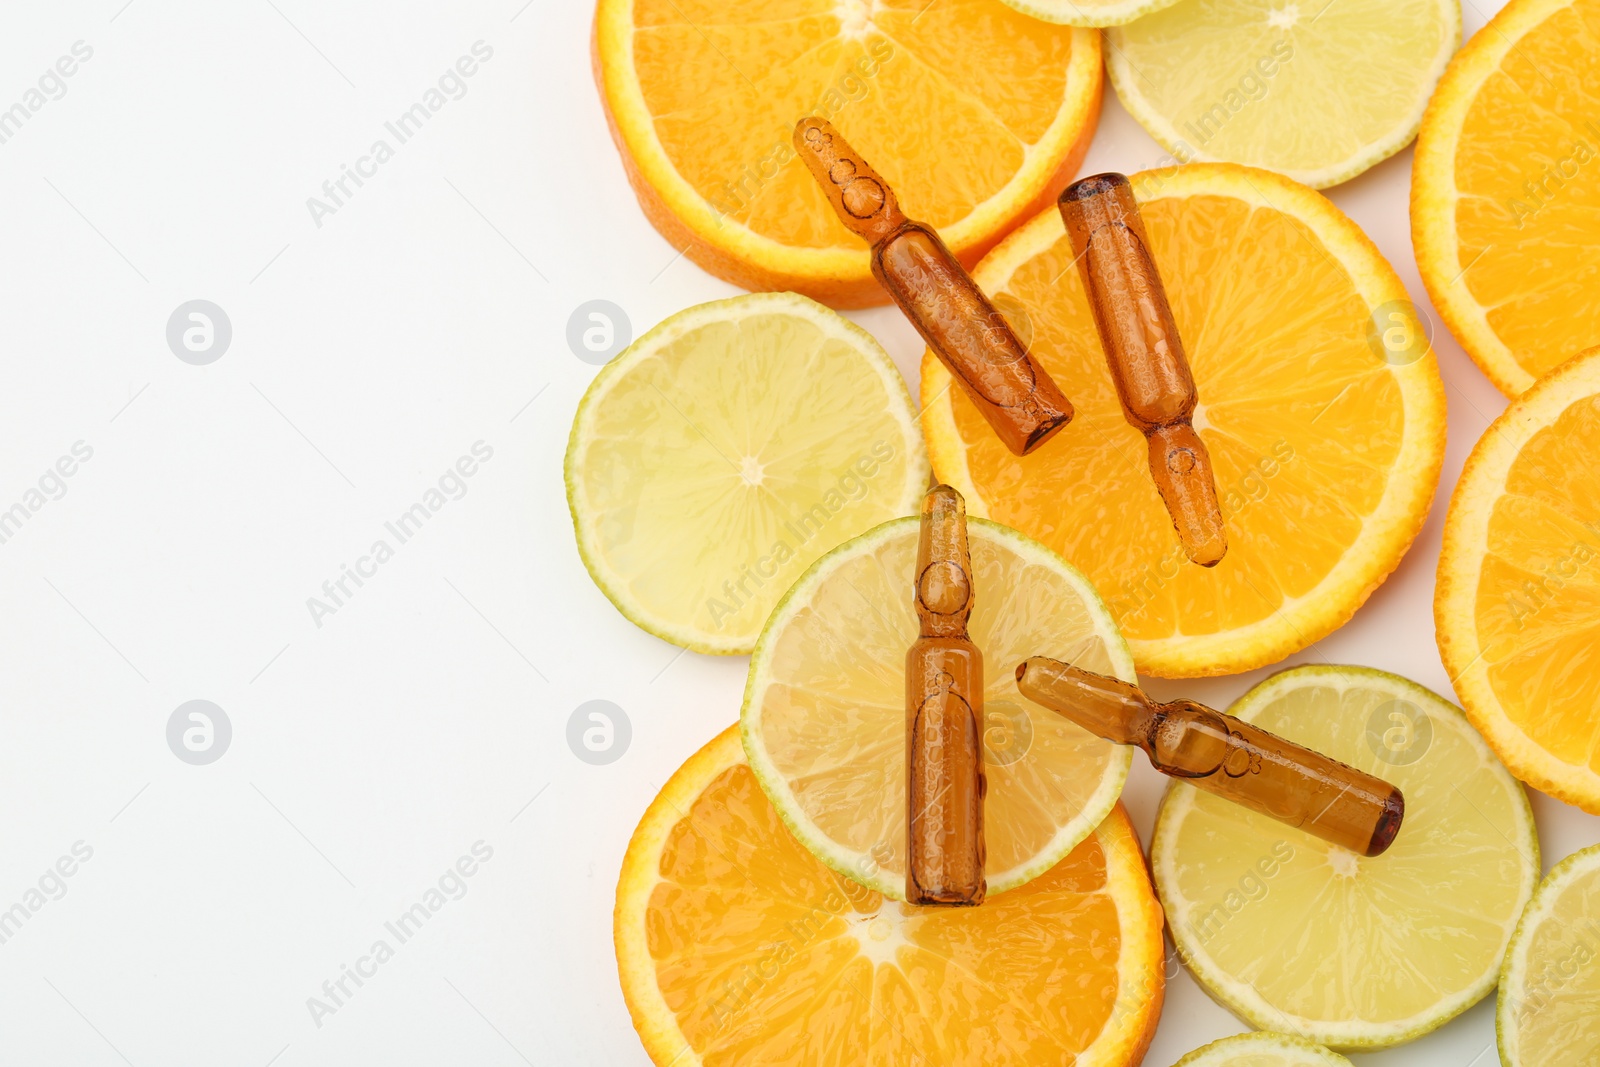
945,783
1225,755
1145,354
960,324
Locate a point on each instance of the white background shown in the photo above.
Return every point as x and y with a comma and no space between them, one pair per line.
429,711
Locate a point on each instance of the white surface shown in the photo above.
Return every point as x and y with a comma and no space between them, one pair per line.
372,752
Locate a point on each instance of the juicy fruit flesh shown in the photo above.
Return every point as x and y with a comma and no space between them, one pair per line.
731,459
1527,171
1252,80
1552,1003
765,956
833,720
1538,597
1293,400
976,74
1394,934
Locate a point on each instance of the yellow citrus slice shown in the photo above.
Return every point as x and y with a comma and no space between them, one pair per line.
824,714
726,450
735,946
1295,934
1517,603
1317,91
1262,1049
1089,12
976,114
1550,983
1320,402
1505,190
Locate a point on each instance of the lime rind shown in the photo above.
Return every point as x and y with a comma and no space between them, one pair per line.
586,526
860,866
1291,1051
1090,13
1513,972
1240,997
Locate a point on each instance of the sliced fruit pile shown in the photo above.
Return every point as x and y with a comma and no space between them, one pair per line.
1517,603
1401,942
1320,403
735,946
1505,189
976,114
725,451
1551,980
1316,91
824,708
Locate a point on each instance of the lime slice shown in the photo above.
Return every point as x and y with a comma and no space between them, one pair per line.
1550,983
1262,1049
1295,934
727,449
824,707
1315,90
1089,12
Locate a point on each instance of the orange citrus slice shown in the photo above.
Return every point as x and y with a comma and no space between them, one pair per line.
1505,191
1517,605
976,114
1320,403
736,946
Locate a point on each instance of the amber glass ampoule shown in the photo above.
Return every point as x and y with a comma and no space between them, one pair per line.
968,334
944,710
1145,354
1225,756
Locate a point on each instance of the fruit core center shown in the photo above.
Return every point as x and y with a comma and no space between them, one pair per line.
751,471
855,17
1343,861
878,935
1284,18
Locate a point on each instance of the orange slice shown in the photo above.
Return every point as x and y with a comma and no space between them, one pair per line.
1517,604
735,946
977,115
1505,191
1320,403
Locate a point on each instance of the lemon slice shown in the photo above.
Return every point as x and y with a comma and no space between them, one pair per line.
736,947
1262,1049
824,707
1295,934
1089,12
1315,90
1550,984
726,450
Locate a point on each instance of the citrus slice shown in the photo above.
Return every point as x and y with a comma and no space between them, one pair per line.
1517,603
1551,980
976,114
1089,12
1399,943
824,716
735,946
1320,403
1317,91
1505,188
724,451
1262,1049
